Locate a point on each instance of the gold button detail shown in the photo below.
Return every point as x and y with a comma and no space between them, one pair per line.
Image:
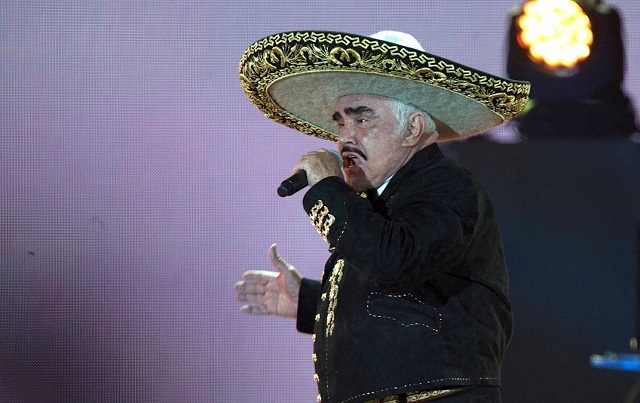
318,399
316,377
313,337
323,296
317,317
314,357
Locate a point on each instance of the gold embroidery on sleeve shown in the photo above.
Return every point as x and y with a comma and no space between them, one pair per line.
321,219
334,281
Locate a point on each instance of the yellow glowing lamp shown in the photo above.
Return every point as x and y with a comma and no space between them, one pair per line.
556,33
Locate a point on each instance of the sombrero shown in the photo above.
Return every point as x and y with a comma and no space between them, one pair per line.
295,78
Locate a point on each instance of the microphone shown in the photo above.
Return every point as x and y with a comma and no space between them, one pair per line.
298,180
293,183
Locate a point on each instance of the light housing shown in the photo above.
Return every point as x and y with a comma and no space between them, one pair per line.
577,90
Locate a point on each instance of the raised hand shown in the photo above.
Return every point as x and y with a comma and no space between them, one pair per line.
270,293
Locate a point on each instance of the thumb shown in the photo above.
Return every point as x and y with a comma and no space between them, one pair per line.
277,262
290,276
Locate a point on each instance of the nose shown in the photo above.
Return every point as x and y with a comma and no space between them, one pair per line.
347,134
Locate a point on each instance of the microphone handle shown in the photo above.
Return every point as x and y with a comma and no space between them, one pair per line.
293,183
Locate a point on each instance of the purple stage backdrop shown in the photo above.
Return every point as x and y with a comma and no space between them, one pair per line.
138,184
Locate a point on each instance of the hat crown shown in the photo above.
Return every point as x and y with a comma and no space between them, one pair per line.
399,38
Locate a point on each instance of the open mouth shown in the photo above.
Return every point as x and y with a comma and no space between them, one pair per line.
352,157
350,160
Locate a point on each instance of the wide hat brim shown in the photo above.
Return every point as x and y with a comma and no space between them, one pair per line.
295,78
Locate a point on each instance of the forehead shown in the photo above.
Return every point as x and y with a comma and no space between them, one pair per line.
375,102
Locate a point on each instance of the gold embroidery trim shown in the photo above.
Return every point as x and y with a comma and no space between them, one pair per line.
334,281
415,397
290,53
321,219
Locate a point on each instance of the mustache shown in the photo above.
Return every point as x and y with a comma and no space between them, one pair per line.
347,149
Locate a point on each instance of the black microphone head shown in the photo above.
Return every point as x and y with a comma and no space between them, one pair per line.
293,183
285,189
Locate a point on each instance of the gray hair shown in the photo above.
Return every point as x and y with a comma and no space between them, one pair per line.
403,110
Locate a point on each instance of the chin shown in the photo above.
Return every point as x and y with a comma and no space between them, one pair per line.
359,184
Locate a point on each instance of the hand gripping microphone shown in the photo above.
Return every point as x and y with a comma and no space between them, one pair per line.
298,180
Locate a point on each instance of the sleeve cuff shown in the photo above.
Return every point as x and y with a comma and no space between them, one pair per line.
326,206
307,305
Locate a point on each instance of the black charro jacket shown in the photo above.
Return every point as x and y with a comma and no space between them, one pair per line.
414,295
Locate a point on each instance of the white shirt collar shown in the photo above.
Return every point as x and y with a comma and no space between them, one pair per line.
383,186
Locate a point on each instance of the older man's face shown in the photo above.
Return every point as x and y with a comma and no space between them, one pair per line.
369,142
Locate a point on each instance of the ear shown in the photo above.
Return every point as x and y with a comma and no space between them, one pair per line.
415,129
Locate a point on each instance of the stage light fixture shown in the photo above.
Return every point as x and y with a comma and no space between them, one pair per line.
556,33
572,53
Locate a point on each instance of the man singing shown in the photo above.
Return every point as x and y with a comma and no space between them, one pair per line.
412,305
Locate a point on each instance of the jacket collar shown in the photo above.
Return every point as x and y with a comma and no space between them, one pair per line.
422,159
